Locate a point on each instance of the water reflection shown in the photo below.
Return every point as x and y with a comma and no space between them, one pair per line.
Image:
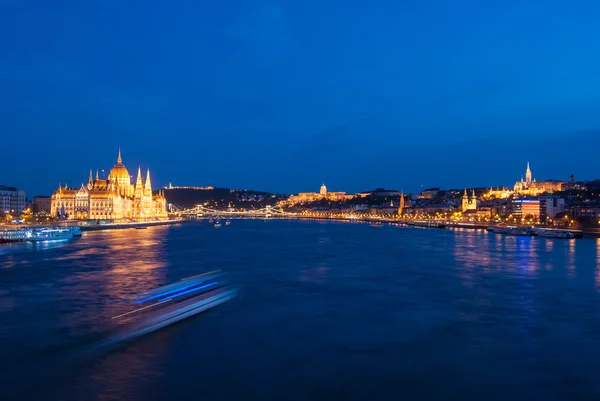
472,250
570,249
112,377
134,262
526,255
116,265
598,264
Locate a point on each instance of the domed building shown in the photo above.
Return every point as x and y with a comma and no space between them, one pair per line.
307,197
113,198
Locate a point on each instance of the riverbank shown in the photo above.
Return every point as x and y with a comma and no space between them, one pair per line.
446,224
136,224
87,226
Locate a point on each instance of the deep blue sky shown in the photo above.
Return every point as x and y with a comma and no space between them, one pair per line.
282,95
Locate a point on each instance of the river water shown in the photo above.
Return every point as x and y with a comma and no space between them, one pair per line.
326,311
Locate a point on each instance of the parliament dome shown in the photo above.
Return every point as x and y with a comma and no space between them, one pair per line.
119,170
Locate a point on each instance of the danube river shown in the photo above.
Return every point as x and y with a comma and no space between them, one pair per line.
326,311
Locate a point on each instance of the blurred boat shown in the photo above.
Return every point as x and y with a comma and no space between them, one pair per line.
75,231
172,303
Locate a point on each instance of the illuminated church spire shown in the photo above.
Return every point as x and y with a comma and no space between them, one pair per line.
528,174
401,206
139,187
119,160
148,185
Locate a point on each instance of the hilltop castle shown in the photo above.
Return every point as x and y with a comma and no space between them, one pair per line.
112,198
531,187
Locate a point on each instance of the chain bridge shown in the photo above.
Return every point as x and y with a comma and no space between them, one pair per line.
268,211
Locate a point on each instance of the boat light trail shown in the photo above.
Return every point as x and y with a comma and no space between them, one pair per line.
162,294
137,310
187,292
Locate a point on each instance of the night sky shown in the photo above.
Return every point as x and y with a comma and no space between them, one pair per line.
283,95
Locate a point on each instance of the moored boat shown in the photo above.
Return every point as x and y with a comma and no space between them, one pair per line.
519,231
17,235
51,234
546,233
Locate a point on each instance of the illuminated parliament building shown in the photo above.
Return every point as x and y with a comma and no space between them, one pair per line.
112,198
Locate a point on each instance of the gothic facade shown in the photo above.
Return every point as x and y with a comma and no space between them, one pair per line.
112,198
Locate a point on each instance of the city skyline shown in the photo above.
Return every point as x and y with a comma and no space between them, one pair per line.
276,96
103,173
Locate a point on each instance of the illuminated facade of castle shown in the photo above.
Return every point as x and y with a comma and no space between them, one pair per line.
531,187
113,198
303,197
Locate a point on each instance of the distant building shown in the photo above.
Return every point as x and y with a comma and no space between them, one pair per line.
468,203
531,187
113,198
401,204
429,193
305,197
585,211
12,200
171,186
41,204
499,193
550,206
525,207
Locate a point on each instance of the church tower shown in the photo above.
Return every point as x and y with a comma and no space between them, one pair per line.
90,184
528,174
401,206
323,190
465,201
473,201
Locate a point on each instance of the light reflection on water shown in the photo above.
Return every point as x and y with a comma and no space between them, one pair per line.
597,275
570,249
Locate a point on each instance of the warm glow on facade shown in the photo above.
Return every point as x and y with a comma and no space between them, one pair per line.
113,198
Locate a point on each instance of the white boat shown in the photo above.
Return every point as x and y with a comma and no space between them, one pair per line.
17,235
171,303
217,224
227,222
51,234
